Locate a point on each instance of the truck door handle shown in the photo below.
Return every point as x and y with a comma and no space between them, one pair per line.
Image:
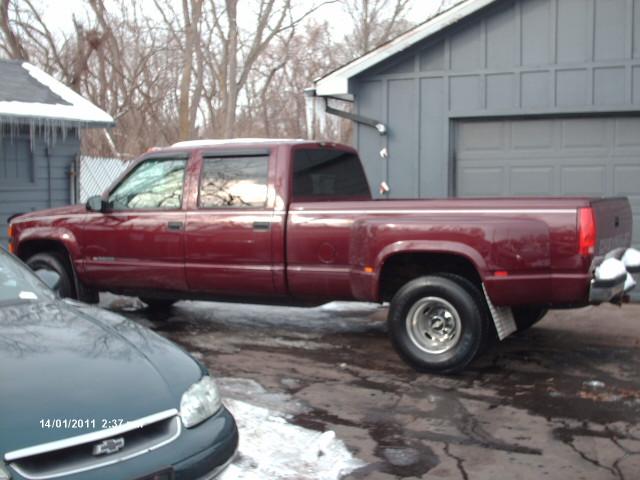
262,226
175,225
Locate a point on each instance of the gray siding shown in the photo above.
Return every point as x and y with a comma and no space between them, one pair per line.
517,58
49,185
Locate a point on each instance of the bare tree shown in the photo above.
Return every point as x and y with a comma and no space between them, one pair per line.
27,36
12,46
187,37
283,72
232,64
376,21
218,68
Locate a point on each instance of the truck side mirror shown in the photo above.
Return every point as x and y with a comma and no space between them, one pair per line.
96,204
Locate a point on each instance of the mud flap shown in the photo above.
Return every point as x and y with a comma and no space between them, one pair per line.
502,317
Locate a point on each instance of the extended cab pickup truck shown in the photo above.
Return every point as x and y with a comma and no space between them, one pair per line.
293,222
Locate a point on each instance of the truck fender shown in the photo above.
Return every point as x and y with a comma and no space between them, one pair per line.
488,243
53,234
428,246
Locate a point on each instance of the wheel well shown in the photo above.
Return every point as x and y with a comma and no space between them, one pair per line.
31,247
404,267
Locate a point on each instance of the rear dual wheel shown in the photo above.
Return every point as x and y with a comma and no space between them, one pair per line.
438,323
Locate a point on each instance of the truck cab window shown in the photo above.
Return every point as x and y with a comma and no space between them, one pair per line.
327,174
234,182
154,184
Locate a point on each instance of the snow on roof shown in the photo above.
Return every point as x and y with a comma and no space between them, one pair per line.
28,93
234,141
336,83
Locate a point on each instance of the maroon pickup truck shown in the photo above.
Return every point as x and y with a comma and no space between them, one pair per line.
293,222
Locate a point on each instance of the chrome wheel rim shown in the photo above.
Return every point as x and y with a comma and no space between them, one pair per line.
434,325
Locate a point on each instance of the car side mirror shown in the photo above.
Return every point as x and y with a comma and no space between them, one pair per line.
96,204
50,278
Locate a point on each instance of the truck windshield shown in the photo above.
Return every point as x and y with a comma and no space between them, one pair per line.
18,283
328,174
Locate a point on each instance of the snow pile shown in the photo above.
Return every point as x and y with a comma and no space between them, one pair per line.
329,318
356,307
273,448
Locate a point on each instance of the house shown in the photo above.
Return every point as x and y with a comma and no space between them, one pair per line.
40,120
502,97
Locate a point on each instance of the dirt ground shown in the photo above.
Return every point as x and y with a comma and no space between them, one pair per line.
561,401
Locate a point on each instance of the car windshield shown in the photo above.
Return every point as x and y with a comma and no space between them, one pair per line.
18,283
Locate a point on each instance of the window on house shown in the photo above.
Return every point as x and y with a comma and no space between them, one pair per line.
234,182
16,160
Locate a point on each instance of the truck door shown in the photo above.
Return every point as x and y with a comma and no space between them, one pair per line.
229,230
139,242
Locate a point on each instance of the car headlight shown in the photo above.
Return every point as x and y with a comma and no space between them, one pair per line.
4,473
199,402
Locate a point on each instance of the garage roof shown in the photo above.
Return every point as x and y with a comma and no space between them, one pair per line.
29,94
336,83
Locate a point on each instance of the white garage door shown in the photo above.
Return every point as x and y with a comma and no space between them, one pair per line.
570,157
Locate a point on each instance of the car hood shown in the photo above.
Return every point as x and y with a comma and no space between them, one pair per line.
60,361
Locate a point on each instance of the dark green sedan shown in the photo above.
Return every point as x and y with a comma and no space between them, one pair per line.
86,394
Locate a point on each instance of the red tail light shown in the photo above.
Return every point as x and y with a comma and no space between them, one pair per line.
586,232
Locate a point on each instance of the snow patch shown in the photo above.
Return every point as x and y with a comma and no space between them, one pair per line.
231,141
349,307
270,447
332,317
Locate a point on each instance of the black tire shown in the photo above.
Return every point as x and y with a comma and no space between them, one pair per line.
449,293
527,317
54,261
158,304
87,295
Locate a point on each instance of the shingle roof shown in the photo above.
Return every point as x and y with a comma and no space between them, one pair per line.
27,94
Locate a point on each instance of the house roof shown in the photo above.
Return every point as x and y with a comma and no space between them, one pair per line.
336,83
29,94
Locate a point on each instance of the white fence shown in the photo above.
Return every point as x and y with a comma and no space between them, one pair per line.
96,174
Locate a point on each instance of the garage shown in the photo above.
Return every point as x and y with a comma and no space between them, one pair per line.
502,97
596,156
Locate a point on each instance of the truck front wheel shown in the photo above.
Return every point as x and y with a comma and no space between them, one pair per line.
437,323
54,262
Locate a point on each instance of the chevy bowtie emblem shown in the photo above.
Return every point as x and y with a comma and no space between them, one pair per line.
109,446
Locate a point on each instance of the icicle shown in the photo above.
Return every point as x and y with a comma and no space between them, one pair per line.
50,130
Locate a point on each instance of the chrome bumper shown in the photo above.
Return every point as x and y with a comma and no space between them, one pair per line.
613,278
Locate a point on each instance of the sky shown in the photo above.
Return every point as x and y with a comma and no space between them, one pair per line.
62,17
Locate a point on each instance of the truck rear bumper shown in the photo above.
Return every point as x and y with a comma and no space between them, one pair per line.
613,278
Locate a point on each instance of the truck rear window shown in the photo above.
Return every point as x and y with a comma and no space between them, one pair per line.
324,174
234,182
